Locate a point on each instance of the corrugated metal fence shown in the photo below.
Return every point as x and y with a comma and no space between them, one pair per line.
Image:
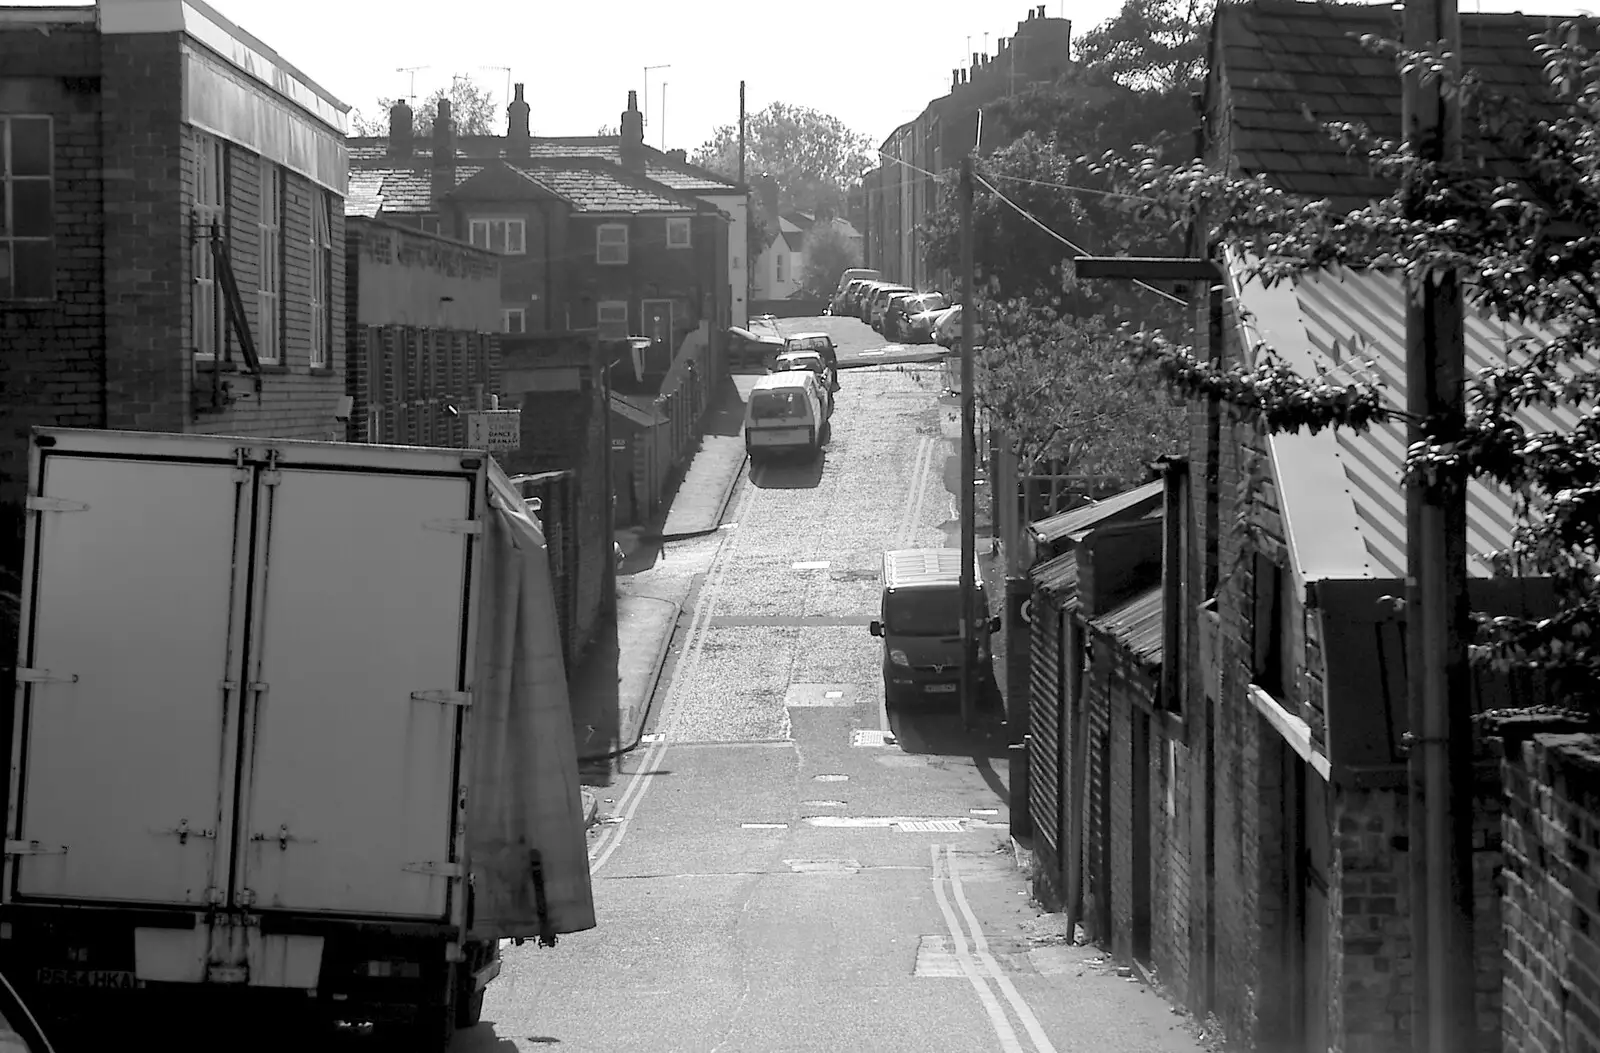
557,493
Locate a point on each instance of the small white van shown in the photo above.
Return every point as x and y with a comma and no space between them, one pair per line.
785,415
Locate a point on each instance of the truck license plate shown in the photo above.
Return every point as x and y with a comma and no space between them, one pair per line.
109,979
942,688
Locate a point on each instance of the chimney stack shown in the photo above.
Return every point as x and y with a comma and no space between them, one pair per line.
632,146
400,131
517,136
443,173
1041,10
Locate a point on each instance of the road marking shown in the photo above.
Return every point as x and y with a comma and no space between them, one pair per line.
607,842
815,564
830,778
763,826
948,824
1009,1043
866,354
1030,1023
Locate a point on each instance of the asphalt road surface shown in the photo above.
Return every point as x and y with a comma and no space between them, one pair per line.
786,865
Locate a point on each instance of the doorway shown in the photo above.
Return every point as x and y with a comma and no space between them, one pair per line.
658,323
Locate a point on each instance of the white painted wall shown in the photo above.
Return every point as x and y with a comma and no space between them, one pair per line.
736,206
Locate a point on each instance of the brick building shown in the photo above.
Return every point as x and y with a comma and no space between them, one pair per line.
597,230
1242,827
134,130
896,197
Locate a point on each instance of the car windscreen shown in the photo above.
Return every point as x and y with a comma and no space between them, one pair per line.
931,302
778,405
923,612
819,344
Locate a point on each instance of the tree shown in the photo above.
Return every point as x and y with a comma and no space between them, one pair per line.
1156,46
1018,240
829,252
1515,221
811,155
1067,392
472,108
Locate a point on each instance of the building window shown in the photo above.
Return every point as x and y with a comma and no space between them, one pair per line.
269,334
514,320
429,225
321,280
27,214
611,244
678,234
504,236
781,262
612,318
210,158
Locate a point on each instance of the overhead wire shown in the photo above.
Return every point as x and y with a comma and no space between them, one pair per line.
1031,218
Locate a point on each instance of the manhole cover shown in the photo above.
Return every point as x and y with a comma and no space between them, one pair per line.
821,695
871,737
930,826
975,866
823,866
936,957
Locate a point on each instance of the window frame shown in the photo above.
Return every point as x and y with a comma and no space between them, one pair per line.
269,267
9,237
487,225
320,294
210,204
429,223
601,245
779,258
600,322
680,223
507,313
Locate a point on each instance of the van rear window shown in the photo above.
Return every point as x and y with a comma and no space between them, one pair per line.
777,405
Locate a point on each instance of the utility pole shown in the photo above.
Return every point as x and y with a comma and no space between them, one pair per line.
1438,618
969,541
741,133
663,115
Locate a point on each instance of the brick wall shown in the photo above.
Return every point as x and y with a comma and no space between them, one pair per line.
1551,901
1370,945
52,360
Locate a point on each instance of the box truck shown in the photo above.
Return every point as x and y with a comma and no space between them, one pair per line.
290,726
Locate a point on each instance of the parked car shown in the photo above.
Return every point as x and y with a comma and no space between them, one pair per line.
786,414
873,312
809,362
822,344
948,331
919,327
863,293
853,274
897,317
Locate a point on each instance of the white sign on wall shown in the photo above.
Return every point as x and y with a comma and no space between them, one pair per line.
494,430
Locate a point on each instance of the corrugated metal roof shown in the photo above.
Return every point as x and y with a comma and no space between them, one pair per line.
1342,493
1136,625
1129,503
923,566
640,410
1058,578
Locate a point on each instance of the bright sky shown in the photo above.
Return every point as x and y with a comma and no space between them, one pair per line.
871,63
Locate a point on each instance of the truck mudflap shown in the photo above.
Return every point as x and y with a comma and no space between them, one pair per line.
526,847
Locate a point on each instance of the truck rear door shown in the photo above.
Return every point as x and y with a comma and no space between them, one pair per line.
126,700
358,659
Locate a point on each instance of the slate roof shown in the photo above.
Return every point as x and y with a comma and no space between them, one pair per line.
372,151
595,187
792,235
1340,492
1290,65
600,187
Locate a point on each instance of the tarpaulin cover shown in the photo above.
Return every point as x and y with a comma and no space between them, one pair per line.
524,806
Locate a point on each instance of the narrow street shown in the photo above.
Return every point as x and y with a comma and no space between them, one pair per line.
782,865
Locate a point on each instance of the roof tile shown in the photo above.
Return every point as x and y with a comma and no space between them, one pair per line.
661,167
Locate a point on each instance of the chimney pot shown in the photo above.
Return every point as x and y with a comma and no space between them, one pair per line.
517,135
1041,10
401,129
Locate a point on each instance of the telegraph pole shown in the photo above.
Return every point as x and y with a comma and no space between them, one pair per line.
1437,613
969,541
741,133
